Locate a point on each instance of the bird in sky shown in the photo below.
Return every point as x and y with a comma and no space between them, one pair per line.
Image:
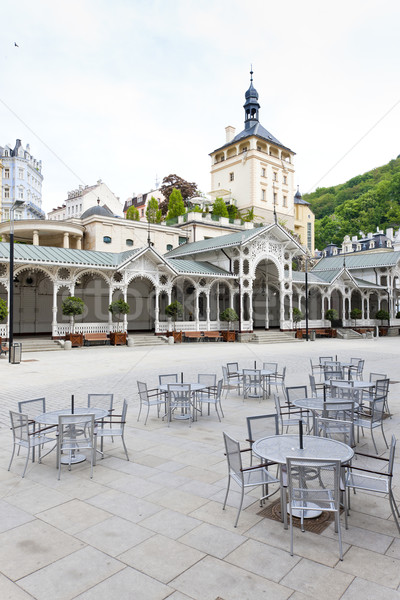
15,44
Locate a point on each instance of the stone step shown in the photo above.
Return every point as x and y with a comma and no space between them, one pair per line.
38,344
273,337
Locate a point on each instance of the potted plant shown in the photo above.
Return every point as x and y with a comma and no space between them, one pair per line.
383,315
355,313
297,316
175,311
118,308
72,307
229,315
332,315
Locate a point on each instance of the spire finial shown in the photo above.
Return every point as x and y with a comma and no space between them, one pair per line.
251,73
98,200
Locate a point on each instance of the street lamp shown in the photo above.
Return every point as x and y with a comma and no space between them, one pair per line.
16,204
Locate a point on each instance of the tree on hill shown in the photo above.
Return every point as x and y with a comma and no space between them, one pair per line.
171,182
132,213
153,212
176,206
219,208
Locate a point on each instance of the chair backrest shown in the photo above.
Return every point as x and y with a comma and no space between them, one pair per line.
377,376
296,392
343,388
233,456
142,388
225,374
20,426
278,406
355,361
252,376
304,489
333,374
339,409
360,367
207,378
270,366
377,409
313,385
168,378
382,387
323,359
69,425
180,393
219,389
32,408
337,429
123,413
260,425
104,401
232,368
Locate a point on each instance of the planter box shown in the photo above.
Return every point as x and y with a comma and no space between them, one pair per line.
177,336
76,339
383,331
228,336
118,338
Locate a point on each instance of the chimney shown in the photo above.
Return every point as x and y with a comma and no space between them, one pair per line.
369,236
389,233
230,133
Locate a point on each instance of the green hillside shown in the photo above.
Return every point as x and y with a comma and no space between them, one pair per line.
363,203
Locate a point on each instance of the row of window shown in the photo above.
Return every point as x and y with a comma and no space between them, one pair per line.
35,182
275,198
75,208
108,240
263,174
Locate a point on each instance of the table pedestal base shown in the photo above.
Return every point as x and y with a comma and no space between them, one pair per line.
308,514
75,458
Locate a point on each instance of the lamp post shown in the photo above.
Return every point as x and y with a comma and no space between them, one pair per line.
306,286
388,295
16,204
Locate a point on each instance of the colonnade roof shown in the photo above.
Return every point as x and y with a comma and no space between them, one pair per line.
53,255
197,267
358,261
327,277
232,239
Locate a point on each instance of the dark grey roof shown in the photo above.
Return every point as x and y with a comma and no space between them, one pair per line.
101,211
358,261
184,265
258,130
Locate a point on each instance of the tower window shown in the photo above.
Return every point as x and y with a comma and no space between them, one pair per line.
262,172
275,176
263,195
6,173
107,239
284,200
231,176
129,242
169,247
285,179
275,197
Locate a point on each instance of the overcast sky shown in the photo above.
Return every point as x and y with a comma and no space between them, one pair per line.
131,90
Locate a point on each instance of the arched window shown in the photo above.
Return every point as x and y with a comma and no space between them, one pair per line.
129,242
107,239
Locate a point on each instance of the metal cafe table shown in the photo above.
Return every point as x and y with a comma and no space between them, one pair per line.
194,388
277,448
51,418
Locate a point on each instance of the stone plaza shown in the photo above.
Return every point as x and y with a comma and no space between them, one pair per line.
153,528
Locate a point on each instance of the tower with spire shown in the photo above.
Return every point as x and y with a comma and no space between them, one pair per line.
253,169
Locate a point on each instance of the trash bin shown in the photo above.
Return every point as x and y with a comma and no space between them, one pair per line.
312,335
15,353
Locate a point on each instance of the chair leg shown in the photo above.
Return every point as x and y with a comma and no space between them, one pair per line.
126,451
227,492
394,509
140,410
147,416
240,507
384,437
12,456
26,464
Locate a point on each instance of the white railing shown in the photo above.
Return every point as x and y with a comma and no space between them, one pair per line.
63,329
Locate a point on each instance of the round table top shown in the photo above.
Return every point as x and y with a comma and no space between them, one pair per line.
51,417
263,372
195,387
277,447
354,383
317,404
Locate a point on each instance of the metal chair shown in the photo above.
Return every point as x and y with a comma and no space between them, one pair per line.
373,420
245,477
24,437
319,493
278,380
168,378
287,418
382,389
75,433
213,398
316,369
336,429
150,398
253,384
210,380
33,408
371,480
117,429
258,426
323,359
231,381
356,371
317,389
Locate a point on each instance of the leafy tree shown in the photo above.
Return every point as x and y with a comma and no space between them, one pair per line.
382,315
171,182
132,213
175,311
297,315
219,208
72,307
153,212
331,315
355,314
229,315
3,309
176,206
232,211
119,308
